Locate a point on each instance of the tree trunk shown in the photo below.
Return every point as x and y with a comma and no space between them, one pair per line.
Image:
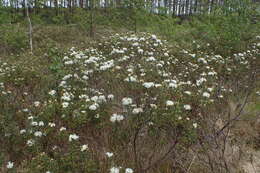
56,7
92,25
24,8
30,25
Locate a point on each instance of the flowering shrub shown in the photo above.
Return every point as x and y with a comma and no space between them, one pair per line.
130,101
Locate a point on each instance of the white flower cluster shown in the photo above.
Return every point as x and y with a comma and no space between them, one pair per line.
116,118
141,64
117,170
127,77
73,137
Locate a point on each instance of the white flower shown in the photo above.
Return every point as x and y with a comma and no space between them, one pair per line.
30,142
129,170
38,134
148,84
130,70
210,89
137,110
34,123
169,103
52,124
65,104
30,117
157,85
135,44
140,51
200,81
110,96
101,99
52,92
66,96
211,73
120,117
154,37
73,137
106,65
62,129
127,101
68,62
66,77
85,77
84,147
83,96
154,106
202,60
22,131
94,98
41,123
193,55
195,125
130,79
97,116
93,107
187,92
150,59
10,165
109,154
36,103
187,107
166,54
118,67
173,85
25,110
206,94
116,117
114,170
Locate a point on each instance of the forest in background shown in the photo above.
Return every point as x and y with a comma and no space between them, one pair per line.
164,7
170,7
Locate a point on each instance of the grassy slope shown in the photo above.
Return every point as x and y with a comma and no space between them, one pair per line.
50,44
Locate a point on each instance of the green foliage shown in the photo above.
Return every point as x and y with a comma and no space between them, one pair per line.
4,16
224,33
13,38
56,61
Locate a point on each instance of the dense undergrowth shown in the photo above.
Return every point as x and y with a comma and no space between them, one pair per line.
127,103
176,101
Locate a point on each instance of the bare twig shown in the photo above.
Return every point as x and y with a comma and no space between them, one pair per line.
236,117
164,156
192,161
252,162
135,148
